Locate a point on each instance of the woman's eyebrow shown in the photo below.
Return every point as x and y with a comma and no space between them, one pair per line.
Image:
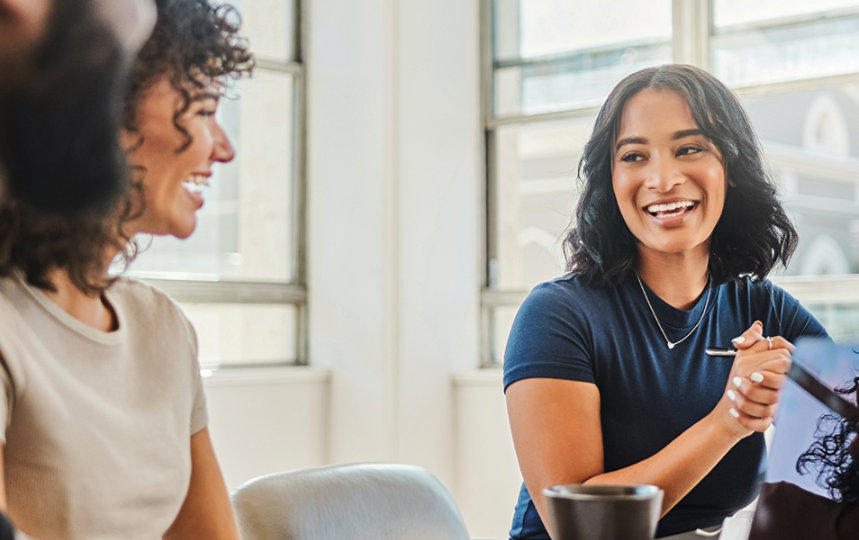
686,133
630,140
206,95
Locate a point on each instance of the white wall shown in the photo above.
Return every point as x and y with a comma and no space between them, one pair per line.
267,420
394,184
394,265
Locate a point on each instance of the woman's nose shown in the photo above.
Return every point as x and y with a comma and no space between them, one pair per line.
223,149
663,175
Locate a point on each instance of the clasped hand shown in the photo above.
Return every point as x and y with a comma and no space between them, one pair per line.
757,375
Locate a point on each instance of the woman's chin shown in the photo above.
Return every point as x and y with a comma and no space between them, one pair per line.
184,233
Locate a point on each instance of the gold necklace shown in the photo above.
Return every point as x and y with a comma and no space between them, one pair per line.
672,344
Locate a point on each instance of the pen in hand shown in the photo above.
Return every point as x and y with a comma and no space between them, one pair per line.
718,351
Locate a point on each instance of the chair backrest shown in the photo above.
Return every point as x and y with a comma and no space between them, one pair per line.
372,501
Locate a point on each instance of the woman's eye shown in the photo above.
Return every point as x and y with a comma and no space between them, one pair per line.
688,150
207,112
631,157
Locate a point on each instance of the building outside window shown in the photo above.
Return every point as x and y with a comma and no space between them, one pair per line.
549,64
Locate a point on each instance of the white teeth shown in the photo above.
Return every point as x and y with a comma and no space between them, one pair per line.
196,182
669,207
199,180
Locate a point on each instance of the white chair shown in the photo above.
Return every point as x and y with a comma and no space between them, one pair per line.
365,501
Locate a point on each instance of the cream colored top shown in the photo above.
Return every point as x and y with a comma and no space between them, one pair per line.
97,424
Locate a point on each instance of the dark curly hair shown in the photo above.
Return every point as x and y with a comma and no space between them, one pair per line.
835,454
753,233
192,41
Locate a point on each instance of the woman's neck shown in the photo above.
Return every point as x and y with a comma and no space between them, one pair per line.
679,280
91,310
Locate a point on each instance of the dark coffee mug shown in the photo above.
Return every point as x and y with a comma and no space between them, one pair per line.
603,511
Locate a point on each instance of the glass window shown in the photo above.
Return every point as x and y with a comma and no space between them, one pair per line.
534,198
770,41
547,56
270,27
241,335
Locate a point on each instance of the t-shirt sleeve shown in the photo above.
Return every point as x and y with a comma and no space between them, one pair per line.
549,338
199,411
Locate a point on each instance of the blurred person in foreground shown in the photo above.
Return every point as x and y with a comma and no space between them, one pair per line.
64,65
105,418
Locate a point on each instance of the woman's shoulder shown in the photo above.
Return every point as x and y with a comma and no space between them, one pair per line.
756,289
144,298
766,291
568,287
566,298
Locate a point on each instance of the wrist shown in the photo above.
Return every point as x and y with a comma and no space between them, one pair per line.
723,428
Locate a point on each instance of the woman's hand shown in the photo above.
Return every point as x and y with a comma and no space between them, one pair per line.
758,374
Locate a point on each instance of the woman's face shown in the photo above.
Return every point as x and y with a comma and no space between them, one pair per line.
667,177
172,179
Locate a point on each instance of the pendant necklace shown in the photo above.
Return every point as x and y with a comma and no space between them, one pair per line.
672,344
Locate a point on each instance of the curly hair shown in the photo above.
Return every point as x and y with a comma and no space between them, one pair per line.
192,41
752,235
835,454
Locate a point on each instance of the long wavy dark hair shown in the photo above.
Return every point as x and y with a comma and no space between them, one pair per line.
192,41
753,233
835,454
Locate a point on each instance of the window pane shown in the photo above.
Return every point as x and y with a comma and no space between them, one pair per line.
501,321
268,26
244,230
549,57
731,12
841,320
811,140
535,28
806,39
244,334
534,199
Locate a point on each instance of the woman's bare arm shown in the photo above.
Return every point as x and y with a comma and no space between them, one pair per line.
206,512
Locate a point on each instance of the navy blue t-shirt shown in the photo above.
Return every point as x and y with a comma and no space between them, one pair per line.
649,394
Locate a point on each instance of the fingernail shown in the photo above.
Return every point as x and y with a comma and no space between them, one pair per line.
734,413
731,395
738,340
737,381
759,323
756,377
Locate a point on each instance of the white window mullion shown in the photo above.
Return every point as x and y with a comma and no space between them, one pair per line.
691,32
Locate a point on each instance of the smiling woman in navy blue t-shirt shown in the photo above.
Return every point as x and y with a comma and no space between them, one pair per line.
605,372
